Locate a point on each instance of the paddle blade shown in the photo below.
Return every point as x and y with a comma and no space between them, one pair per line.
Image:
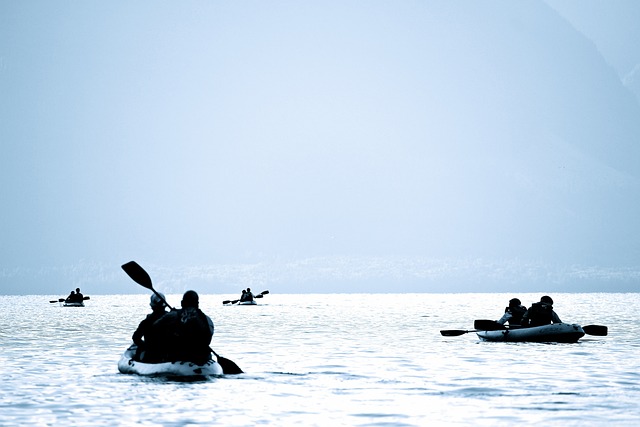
53,301
488,325
264,292
597,330
453,332
86,298
228,366
138,274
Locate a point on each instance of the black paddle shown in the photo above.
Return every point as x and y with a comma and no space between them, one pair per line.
141,277
454,332
488,325
63,300
479,325
597,330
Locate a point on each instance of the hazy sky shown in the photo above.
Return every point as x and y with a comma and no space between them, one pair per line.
320,146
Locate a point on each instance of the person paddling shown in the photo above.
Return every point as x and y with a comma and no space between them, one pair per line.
513,313
540,313
144,336
248,295
187,332
71,297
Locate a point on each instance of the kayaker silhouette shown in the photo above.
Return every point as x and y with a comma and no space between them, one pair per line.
185,334
75,296
540,313
248,295
144,336
71,297
513,313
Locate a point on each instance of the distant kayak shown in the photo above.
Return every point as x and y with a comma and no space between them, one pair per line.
64,303
243,302
557,332
127,365
73,304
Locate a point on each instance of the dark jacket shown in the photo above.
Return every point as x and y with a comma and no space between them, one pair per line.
186,334
147,339
539,314
144,328
513,315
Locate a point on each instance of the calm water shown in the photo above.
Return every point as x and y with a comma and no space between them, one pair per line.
337,359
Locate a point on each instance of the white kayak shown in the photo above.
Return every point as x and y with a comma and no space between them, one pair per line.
557,332
248,303
127,365
73,304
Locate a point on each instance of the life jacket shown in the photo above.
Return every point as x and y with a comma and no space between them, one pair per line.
540,314
516,314
186,335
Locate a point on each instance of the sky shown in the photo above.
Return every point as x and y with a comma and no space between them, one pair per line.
309,147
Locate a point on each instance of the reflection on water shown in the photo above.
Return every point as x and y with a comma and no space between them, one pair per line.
324,360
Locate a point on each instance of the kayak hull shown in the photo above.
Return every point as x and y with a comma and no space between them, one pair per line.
73,304
557,332
248,303
127,365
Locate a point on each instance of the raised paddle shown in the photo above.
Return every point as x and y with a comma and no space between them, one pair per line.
141,277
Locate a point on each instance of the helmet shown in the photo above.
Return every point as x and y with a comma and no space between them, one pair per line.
156,301
546,299
514,302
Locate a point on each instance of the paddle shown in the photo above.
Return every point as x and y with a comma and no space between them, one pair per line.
597,330
141,277
228,366
488,325
479,325
454,332
63,300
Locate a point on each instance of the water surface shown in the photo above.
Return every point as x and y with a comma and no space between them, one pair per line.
331,359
